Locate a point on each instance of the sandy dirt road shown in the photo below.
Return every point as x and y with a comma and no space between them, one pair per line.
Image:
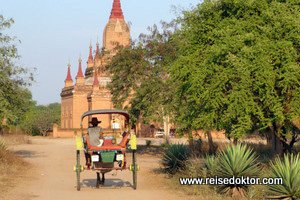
51,176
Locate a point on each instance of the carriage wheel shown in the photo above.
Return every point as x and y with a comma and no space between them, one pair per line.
78,169
134,170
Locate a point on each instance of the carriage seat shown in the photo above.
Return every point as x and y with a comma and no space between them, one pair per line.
109,147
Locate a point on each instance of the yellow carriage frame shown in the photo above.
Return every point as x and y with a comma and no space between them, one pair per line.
134,167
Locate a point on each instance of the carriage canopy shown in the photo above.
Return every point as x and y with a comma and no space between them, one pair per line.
102,112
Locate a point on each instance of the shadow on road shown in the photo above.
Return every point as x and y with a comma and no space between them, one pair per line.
150,150
27,154
109,183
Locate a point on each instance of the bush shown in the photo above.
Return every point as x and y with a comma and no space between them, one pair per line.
175,157
234,161
41,119
196,147
289,170
164,145
148,143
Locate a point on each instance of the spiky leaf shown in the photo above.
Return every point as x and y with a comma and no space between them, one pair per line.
175,157
289,170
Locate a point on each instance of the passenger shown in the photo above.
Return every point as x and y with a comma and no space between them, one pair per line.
95,133
125,130
95,138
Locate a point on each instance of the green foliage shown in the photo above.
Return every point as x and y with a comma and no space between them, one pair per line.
41,119
196,147
164,145
20,104
238,66
289,170
224,65
238,160
15,100
234,161
139,74
174,158
212,165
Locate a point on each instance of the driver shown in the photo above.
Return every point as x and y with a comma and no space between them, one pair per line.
95,133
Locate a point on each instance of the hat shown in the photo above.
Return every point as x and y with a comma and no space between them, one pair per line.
95,121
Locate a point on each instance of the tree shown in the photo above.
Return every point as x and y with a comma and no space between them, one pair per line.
41,119
238,68
140,75
15,99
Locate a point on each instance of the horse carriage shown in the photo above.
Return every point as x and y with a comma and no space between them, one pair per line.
102,153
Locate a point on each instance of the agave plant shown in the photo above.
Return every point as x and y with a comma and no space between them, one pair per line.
238,161
289,170
212,165
235,161
175,157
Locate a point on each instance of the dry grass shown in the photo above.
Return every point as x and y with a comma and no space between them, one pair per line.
15,139
150,150
203,192
11,165
264,151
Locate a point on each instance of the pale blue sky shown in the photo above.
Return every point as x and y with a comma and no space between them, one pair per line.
52,31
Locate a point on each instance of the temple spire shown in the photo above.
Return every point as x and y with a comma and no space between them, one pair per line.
69,77
79,73
69,80
96,81
91,54
116,12
97,56
90,61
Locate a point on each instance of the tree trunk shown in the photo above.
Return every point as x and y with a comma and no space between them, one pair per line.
167,128
135,130
44,134
275,140
293,141
152,132
269,138
137,127
212,148
235,141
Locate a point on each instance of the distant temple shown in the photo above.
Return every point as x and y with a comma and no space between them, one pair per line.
90,92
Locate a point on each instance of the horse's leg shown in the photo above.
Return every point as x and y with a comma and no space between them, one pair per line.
87,159
98,180
103,179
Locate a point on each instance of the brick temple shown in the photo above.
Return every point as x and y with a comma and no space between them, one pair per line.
89,90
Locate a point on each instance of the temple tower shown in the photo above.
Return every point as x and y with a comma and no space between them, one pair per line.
116,32
90,91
